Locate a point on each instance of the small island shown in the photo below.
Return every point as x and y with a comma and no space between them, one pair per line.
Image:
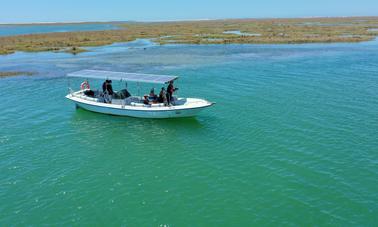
242,31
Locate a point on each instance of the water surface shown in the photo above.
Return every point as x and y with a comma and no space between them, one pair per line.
10,29
237,32
291,141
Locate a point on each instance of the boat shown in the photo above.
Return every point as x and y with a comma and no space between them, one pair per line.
121,103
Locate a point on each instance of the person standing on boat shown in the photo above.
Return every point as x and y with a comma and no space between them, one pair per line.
104,85
170,90
109,87
107,90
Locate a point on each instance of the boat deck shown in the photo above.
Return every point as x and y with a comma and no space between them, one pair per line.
130,101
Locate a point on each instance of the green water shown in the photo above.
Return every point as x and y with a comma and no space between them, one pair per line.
291,141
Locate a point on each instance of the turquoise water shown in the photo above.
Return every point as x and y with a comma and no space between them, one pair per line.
291,141
9,29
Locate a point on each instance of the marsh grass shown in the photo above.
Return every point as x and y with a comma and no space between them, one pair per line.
307,30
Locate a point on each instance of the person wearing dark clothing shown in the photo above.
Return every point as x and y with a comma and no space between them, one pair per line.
104,85
170,90
107,90
109,87
146,101
162,96
89,93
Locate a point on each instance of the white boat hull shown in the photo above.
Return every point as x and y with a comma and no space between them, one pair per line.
191,109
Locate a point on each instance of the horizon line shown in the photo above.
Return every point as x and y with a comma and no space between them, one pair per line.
172,20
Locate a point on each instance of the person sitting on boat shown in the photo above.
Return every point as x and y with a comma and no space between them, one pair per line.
162,96
145,100
170,90
152,97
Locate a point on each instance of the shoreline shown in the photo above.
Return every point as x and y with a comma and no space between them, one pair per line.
224,31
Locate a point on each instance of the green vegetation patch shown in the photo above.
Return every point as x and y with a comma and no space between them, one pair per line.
301,30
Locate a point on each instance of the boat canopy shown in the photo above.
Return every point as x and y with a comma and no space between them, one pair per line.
123,76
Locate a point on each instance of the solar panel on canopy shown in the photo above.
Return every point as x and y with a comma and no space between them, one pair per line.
134,77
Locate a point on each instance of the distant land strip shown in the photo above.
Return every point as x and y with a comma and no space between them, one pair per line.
228,31
15,73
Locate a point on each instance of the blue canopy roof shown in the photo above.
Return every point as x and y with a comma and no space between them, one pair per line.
134,77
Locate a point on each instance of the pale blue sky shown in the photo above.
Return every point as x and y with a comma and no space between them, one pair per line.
16,11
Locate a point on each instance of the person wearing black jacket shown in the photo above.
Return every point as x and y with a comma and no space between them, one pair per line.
170,90
109,87
104,86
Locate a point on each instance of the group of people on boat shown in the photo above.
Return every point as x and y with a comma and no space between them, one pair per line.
165,95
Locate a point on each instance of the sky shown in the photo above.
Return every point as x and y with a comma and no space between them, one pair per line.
27,11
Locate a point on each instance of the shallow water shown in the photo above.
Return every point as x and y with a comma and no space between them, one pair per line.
237,32
9,29
292,139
